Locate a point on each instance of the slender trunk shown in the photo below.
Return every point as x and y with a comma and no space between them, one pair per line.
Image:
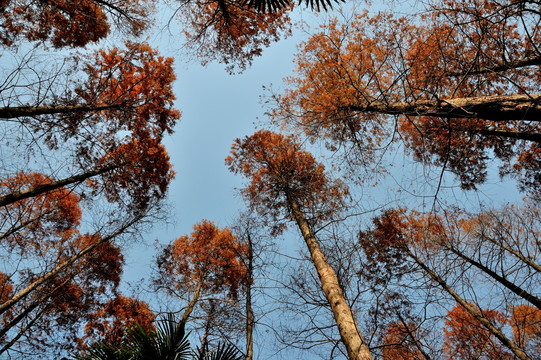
534,300
203,350
473,311
352,338
22,332
496,107
21,111
521,257
517,135
30,308
22,225
517,64
192,303
41,189
57,269
249,310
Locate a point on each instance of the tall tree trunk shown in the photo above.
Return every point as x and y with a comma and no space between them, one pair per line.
473,311
57,269
495,107
352,338
531,298
41,189
22,111
25,313
192,303
249,310
203,350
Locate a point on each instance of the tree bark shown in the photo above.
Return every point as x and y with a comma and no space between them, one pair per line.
249,310
41,189
476,313
517,135
22,111
496,107
511,65
352,338
192,303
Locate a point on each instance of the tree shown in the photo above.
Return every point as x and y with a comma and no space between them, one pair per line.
107,129
231,32
526,323
466,339
285,181
108,324
65,23
402,244
207,264
112,124
57,290
457,84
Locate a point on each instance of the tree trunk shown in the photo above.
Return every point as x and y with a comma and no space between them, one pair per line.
496,107
22,111
25,313
534,300
192,303
41,189
352,338
249,310
476,313
24,292
516,135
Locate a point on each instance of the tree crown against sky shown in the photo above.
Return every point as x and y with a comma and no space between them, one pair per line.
456,84
369,85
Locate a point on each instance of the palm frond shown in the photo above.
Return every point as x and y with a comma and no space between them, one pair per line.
224,352
277,5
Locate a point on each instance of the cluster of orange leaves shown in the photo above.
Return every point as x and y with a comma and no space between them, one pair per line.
138,84
209,257
279,172
44,229
66,23
109,323
42,222
230,31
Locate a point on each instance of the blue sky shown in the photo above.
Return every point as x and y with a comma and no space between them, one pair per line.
216,109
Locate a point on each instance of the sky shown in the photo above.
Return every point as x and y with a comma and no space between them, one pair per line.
216,109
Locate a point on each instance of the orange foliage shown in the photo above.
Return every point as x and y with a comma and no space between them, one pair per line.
526,323
137,84
109,324
395,233
6,288
397,343
279,171
104,262
209,256
230,31
466,339
349,75
66,23
339,67
142,171
40,222
139,81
